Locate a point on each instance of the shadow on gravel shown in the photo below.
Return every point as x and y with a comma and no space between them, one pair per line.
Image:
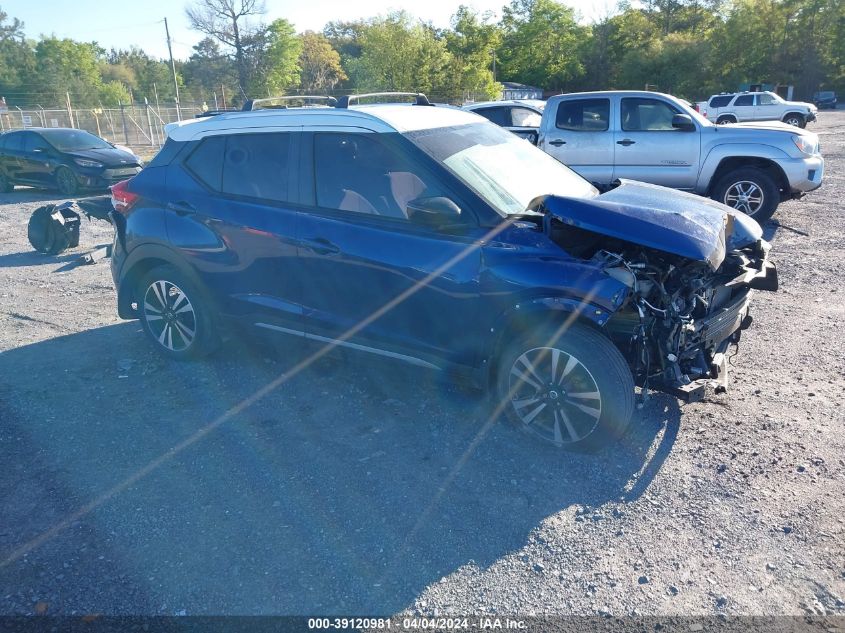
27,194
34,258
348,490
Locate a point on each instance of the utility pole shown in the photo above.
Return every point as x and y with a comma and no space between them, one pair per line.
173,69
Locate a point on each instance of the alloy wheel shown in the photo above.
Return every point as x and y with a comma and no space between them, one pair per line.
170,315
554,395
794,120
745,196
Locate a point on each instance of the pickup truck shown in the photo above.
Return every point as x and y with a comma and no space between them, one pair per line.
656,138
741,107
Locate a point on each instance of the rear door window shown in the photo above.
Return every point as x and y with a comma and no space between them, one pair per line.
257,165
583,115
206,161
744,100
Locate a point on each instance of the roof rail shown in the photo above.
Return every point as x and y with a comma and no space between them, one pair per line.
419,98
258,104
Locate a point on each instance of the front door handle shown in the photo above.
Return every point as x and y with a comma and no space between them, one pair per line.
626,142
322,246
557,143
181,207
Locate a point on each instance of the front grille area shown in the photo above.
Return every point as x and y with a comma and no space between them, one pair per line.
725,320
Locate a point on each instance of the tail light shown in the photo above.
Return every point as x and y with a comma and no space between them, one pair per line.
121,198
696,108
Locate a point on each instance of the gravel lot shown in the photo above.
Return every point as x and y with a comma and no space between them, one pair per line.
358,487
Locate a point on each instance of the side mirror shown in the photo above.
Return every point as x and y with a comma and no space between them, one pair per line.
434,212
683,122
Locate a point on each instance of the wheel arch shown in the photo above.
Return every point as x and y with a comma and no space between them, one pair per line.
141,260
730,163
533,314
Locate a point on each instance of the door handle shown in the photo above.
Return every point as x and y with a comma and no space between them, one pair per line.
557,143
181,207
626,142
322,246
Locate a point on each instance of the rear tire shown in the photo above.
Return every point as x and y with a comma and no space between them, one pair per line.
796,119
724,120
574,392
177,315
750,190
66,181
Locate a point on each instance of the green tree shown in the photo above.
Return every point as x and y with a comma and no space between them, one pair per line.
319,63
17,60
473,41
68,66
281,57
209,71
400,54
541,43
113,93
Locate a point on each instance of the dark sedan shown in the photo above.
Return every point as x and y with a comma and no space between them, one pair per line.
62,158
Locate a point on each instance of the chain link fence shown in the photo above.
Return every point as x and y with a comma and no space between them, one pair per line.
132,125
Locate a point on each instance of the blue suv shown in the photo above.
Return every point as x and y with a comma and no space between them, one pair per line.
431,236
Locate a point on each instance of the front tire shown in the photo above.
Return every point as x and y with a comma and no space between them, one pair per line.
176,314
750,190
793,118
574,391
66,182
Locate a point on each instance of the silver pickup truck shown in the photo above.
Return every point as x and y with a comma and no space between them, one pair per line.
656,138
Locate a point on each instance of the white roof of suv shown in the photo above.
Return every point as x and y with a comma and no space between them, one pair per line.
384,118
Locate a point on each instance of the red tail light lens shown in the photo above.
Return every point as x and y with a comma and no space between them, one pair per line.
121,198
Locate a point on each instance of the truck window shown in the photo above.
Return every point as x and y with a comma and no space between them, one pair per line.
584,115
720,101
497,115
744,100
646,115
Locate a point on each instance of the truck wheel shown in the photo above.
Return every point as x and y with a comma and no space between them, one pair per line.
176,314
724,120
793,118
574,391
749,190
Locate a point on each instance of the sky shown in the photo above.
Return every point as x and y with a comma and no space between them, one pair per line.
141,22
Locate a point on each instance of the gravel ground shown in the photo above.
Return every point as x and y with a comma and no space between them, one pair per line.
360,488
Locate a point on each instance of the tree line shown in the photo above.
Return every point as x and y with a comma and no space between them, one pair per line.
690,48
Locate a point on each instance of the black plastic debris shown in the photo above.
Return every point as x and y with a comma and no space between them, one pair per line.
54,228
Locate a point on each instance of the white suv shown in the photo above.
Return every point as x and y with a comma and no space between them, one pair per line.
756,106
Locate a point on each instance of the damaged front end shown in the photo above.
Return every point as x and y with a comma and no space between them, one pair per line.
690,269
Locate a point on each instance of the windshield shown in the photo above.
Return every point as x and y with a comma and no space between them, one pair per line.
505,170
74,140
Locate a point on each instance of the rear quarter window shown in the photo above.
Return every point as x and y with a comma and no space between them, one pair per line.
721,101
206,161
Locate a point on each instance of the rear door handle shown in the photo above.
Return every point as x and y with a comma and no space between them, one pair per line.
626,142
557,143
181,207
322,246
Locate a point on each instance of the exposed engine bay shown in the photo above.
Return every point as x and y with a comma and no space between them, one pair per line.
681,312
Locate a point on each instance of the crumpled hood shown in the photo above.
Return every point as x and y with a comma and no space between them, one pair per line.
664,219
